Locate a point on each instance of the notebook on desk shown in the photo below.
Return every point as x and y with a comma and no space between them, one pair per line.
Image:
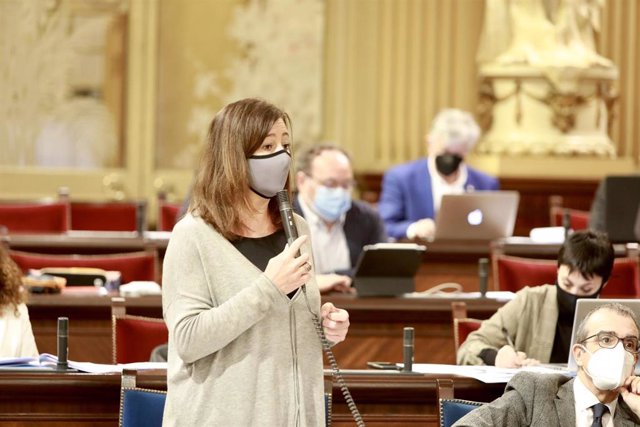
481,215
584,306
387,269
623,201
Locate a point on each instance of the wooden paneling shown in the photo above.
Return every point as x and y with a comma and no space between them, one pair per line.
81,400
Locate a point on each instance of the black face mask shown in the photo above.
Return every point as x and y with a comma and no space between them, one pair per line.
567,302
448,163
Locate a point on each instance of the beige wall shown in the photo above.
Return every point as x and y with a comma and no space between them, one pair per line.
389,66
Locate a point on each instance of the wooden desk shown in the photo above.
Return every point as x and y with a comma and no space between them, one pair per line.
75,400
95,242
375,332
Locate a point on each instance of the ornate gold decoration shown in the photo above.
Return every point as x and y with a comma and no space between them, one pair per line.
564,106
486,101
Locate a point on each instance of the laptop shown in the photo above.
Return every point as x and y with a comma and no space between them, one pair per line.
584,306
623,199
387,269
481,215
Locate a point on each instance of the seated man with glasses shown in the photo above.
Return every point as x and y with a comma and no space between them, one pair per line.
339,225
605,393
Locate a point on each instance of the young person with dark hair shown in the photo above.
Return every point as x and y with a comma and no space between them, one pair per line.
539,320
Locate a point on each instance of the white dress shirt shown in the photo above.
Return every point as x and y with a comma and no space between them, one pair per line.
330,249
584,400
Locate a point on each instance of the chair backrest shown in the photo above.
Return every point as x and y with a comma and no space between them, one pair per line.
514,273
450,409
34,217
167,215
462,325
134,337
109,216
132,266
139,407
578,219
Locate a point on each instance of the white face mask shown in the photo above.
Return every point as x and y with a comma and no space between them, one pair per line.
609,367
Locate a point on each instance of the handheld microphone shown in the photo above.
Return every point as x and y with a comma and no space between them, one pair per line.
407,349
286,213
483,274
63,346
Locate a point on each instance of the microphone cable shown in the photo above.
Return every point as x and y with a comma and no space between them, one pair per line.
290,230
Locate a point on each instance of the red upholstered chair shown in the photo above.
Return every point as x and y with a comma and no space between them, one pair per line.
578,219
132,266
462,325
109,216
167,215
514,273
34,217
625,279
134,337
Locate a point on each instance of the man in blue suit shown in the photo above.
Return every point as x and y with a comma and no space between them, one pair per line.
411,192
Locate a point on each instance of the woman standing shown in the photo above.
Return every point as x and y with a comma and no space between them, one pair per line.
243,344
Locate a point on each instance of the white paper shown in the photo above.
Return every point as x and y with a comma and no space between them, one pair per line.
46,360
486,374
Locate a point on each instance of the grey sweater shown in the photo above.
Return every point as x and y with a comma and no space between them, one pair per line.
241,353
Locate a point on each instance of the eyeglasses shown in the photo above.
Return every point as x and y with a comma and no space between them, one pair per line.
610,340
333,183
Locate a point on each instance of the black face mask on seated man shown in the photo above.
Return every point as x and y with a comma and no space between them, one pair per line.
567,302
448,163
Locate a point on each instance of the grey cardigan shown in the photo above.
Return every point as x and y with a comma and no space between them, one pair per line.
241,353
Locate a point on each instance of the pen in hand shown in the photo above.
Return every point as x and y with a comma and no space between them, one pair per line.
508,338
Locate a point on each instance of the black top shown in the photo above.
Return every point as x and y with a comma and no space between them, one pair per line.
562,340
261,249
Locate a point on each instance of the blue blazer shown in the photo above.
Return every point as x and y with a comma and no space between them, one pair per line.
406,194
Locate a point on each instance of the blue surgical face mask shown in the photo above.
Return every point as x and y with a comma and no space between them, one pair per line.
330,203
268,174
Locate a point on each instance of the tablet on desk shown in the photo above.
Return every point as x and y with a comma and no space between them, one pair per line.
388,269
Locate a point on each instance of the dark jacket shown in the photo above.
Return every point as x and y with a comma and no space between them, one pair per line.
362,226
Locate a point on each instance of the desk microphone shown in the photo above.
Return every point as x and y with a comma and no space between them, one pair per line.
407,349
63,343
483,274
566,222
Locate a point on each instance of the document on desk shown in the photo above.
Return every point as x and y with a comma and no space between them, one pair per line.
496,295
49,361
486,374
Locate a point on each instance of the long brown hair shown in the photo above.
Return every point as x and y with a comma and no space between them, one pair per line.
219,192
11,292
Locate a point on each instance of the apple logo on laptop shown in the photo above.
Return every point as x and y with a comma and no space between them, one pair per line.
475,217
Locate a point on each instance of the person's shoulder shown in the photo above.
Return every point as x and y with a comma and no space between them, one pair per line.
360,206
479,175
540,383
193,227
408,167
536,290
